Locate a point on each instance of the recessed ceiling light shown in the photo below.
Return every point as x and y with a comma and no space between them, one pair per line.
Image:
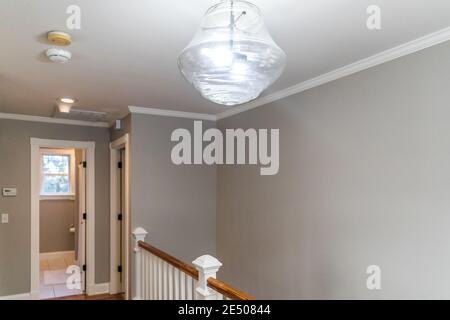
68,100
64,108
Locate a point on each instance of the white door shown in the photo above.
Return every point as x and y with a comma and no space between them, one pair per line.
120,220
82,220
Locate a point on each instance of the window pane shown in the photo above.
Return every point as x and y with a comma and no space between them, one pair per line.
55,184
55,164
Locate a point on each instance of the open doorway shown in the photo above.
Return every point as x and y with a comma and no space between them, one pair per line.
62,218
61,223
119,272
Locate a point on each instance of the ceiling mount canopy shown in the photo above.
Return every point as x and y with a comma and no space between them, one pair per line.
232,58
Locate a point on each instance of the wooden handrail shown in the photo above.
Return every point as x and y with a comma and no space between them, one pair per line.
217,285
186,268
227,290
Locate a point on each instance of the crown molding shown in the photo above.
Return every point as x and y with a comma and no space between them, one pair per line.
172,113
23,117
407,48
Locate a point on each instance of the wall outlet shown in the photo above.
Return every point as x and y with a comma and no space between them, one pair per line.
5,218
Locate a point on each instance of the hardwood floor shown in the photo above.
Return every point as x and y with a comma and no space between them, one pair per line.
97,297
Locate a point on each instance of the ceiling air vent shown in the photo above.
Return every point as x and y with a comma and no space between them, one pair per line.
83,115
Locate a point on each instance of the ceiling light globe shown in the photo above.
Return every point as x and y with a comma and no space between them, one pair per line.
232,57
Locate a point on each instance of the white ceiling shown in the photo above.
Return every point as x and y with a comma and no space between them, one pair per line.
126,51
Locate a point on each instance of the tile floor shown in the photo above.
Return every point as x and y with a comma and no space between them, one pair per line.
52,273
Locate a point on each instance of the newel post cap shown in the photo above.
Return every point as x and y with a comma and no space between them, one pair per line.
139,234
207,263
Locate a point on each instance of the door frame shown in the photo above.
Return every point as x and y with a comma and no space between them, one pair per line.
81,254
89,147
115,147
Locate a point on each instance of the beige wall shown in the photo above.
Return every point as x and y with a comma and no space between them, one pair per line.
15,172
364,179
55,218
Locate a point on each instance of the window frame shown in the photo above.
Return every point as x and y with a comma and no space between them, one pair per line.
71,175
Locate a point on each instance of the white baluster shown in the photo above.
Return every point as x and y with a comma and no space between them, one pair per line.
155,278
165,281
139,235
160,285
170,284
145,276
189,288
182,285
149,275
207,267
176,282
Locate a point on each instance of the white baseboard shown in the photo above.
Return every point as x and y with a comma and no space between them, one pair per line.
20,296
98,288
50,255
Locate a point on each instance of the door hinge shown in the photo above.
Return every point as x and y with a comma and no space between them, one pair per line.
84,216
119,217
119,269
119,164
84,267
84,164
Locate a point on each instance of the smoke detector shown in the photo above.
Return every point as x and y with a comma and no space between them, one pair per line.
58,55
59,38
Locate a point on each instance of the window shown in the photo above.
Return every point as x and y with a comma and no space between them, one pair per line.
57,173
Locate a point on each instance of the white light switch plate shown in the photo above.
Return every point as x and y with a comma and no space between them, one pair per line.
9,192
5,218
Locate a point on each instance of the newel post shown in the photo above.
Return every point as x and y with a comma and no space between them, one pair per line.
139,235
207,267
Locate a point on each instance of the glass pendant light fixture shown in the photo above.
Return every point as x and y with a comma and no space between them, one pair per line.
232,58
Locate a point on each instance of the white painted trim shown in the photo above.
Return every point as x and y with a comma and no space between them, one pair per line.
50,255
115,146
63,144
407,48
47,197
20,296
172,113
98,288
36,144
24,117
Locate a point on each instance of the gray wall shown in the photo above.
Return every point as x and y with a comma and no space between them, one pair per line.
126,128
15,172
364,179
175,204
55,218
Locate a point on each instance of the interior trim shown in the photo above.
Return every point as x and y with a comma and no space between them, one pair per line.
172,113
24,117
399,51
402,50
